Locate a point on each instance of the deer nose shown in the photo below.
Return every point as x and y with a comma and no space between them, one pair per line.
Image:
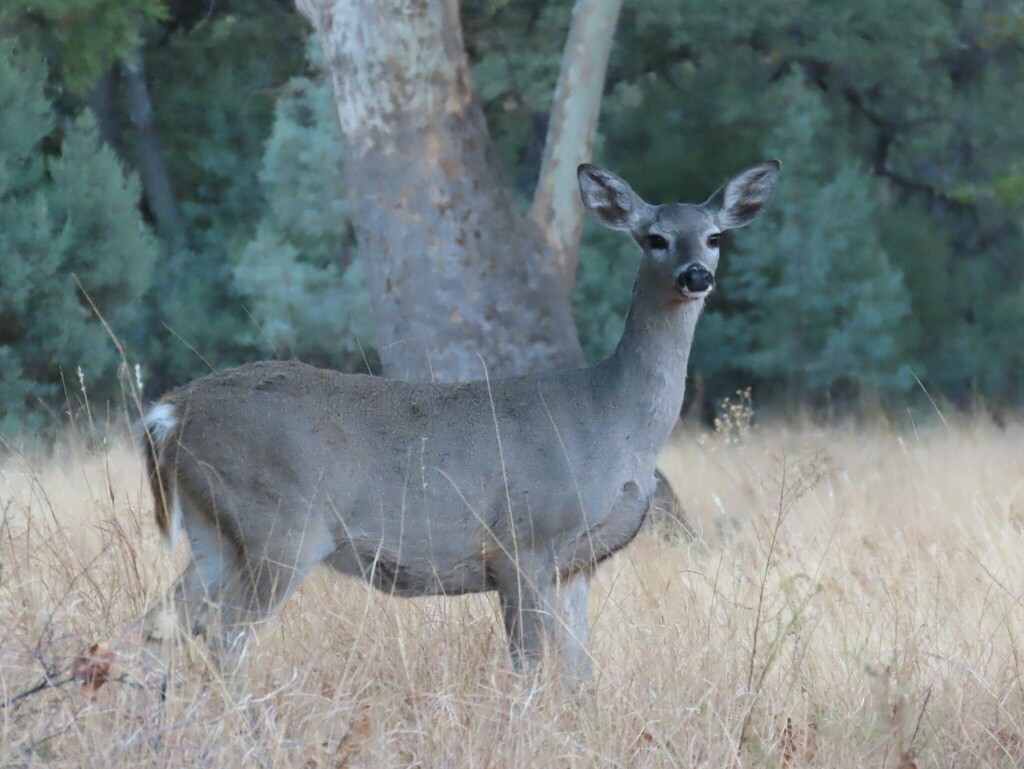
696,279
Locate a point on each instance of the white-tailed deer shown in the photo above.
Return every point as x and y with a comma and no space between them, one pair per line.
519,485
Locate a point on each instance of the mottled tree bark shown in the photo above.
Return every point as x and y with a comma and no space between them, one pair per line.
457,277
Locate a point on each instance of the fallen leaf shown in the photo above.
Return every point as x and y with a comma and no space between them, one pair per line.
789,748
906,760
797,742
353,741
92,667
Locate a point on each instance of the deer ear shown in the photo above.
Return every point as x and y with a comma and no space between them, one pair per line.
610,199
742,199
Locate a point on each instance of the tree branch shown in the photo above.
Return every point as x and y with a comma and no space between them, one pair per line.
888,128
575,108
46,683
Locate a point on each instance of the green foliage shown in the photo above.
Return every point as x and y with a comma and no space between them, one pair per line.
298,276
86,36
214,108
894,240
214,78
66,214
816,308
915,170
516,52
608,263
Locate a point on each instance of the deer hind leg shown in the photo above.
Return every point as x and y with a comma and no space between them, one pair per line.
227,588
262,579
187,608
258,587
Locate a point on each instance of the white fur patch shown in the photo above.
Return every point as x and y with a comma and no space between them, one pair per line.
160,625
176,515
160,420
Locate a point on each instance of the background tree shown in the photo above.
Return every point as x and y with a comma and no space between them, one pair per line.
913,141
298,276
214,108
816,309
67,210
459,279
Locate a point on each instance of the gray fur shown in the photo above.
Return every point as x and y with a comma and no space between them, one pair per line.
518,485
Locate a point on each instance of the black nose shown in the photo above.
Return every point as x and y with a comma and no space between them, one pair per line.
696,278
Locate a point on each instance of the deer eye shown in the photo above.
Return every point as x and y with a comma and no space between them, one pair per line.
655,243
713,240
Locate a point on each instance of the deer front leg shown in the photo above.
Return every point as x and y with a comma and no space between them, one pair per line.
571,629
526,589
528,616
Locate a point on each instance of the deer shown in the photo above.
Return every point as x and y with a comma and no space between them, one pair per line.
522,486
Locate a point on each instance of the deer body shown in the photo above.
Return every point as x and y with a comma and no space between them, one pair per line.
520,485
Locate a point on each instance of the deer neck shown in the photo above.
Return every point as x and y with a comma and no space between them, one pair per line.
646,375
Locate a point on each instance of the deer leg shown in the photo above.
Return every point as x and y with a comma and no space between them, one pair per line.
524,624
227,588
571,629
171,616
258,586
527,608
186,608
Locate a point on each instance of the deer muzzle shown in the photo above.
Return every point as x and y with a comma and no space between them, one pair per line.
695,280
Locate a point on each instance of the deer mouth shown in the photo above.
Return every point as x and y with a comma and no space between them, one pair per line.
693,296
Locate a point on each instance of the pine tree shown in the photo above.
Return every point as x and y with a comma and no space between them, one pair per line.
298,275
817,309
83,37
61,215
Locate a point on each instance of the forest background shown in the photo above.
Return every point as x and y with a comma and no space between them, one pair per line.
185,162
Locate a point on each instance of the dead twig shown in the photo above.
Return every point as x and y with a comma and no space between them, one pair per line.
46,683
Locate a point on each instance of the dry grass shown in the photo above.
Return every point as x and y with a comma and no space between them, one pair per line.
855,602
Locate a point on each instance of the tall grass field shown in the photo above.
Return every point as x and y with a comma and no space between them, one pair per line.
853,599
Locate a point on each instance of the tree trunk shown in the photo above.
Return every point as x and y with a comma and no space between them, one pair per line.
156,183
556,202
101,98
458,278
